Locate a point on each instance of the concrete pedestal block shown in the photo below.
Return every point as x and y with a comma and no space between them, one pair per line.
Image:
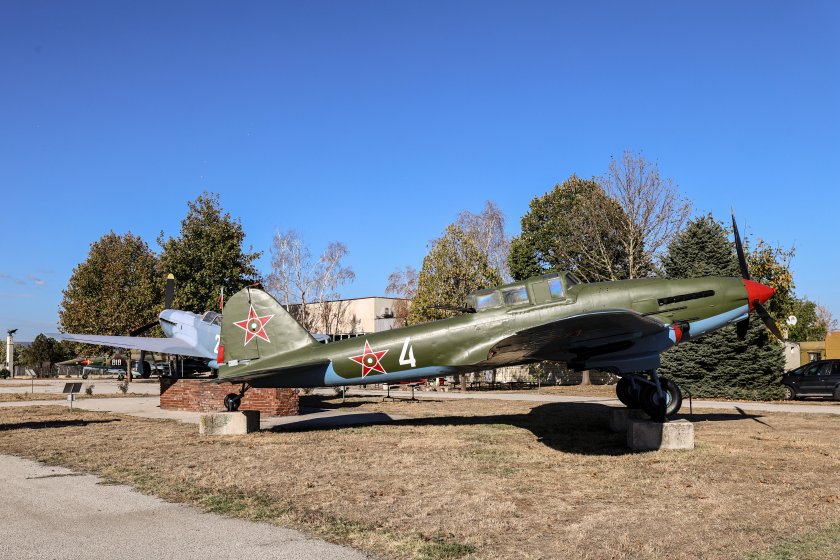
620,418
647,435
229,423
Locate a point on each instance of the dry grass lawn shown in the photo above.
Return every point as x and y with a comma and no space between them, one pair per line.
482,479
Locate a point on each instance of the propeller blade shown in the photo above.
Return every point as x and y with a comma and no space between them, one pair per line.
140,330
768,320
170,292
741,328
739,248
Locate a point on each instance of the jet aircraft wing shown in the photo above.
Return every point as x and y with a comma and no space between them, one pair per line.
579,338
149,344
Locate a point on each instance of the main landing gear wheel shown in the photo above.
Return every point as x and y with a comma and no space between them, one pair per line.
232,402
629,390
653,404
636,391
673,396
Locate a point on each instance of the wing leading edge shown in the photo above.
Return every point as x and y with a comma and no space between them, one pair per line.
149,344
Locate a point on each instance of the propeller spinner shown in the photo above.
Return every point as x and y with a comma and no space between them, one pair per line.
757,293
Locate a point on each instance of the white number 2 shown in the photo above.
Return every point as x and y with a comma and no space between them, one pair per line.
409,359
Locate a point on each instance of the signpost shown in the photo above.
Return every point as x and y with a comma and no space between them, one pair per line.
70,389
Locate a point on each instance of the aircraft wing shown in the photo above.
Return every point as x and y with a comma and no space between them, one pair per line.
160,345
587,339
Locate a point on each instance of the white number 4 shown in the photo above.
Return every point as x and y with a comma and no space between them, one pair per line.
409,359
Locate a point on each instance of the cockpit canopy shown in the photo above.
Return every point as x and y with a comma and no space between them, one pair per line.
212,318
538,290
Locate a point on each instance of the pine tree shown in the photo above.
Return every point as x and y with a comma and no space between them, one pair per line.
718,364
207,256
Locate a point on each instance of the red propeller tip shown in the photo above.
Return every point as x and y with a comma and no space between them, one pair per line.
756,291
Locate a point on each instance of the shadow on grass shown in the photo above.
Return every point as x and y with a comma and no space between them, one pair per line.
571,427
47,424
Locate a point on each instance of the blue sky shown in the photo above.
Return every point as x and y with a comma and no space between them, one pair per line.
376,123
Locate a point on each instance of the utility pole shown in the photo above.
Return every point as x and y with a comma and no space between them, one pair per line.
10,351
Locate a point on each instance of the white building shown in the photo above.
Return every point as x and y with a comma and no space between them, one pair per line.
345,318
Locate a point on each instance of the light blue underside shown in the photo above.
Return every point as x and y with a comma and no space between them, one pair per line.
704,326
332,379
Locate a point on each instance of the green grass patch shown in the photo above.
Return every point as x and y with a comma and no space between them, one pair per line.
441,549
823,544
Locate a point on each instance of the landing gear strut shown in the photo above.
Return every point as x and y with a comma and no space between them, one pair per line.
658,397
233,400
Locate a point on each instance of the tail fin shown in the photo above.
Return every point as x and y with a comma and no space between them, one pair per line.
255,325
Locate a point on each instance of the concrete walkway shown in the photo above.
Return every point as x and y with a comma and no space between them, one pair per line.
52,512
825,407
101,386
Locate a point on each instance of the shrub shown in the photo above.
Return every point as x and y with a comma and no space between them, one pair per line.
89,389
4,373
123,387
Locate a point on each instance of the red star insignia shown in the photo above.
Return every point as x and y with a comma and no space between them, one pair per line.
254,326
370,360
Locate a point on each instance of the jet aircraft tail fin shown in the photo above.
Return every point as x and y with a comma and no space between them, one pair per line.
255,325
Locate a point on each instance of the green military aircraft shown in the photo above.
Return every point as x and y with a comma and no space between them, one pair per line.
620,326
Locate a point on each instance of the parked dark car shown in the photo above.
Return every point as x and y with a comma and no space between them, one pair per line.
815,379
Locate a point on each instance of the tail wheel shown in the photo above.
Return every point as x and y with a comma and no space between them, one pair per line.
232,401
790,394
629,391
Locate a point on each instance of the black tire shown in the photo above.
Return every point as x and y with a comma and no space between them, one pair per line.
673,396
85,375
232,401
146,370
628,390
837,393
790,394
652,404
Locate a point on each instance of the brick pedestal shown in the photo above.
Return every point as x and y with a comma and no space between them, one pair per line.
201,396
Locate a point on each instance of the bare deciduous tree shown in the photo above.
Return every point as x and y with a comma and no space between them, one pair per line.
402,283
487,231
654,211
308,288
826,318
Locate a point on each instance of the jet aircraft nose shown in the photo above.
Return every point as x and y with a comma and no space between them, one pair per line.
756,291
